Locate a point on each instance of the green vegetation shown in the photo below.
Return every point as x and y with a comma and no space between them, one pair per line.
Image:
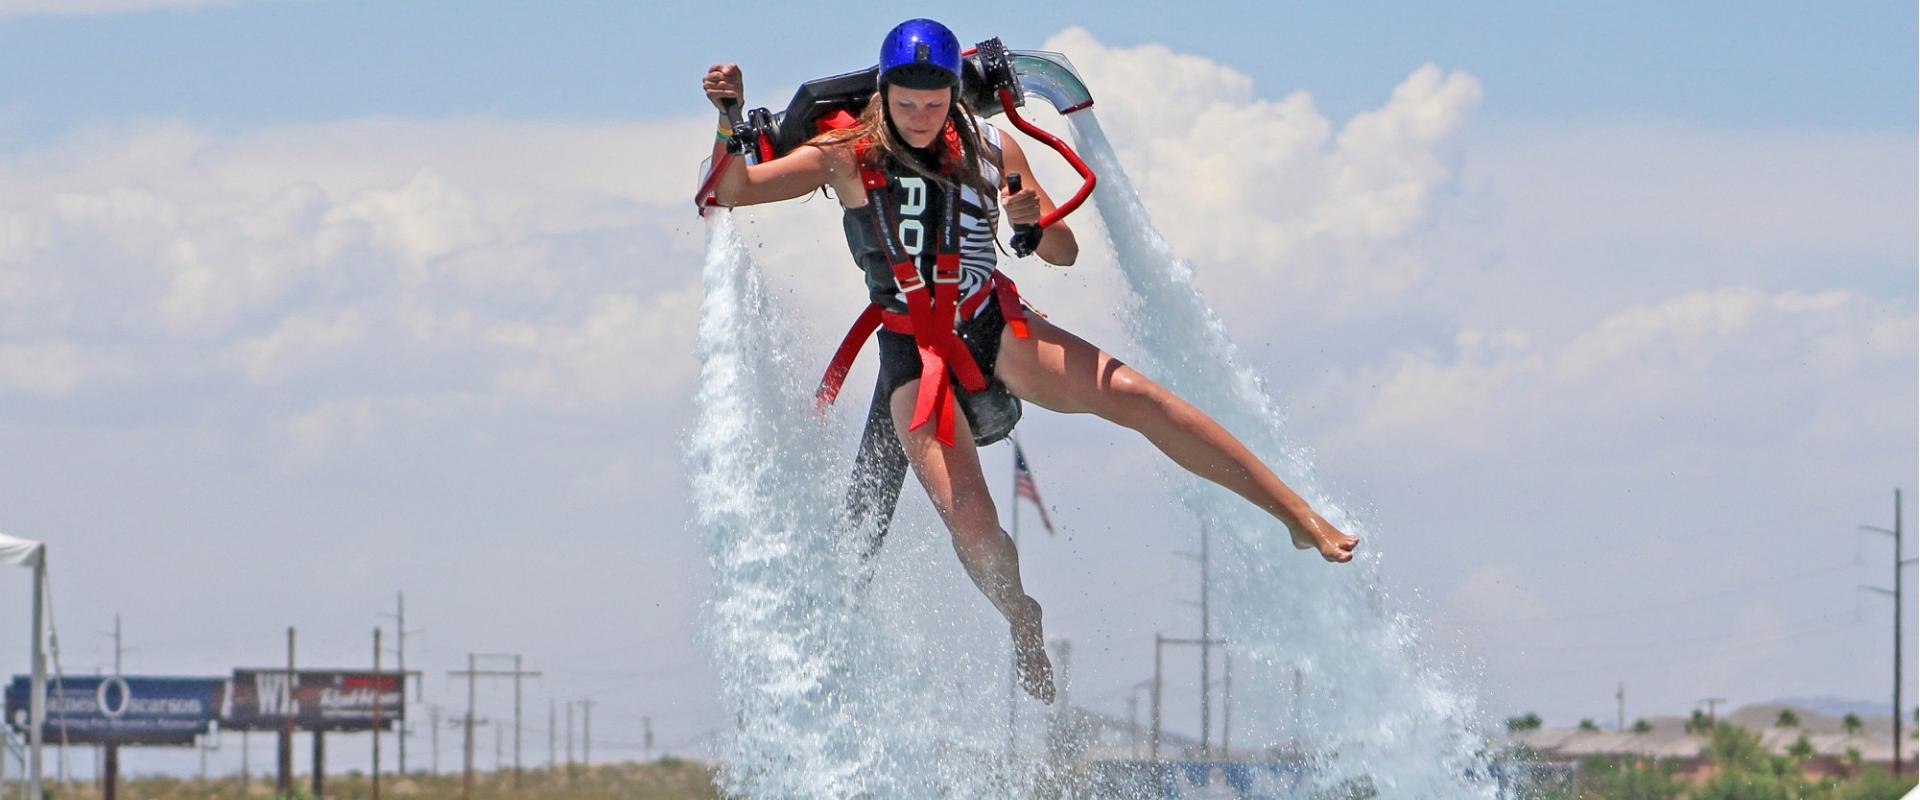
1787,719
1630,779
1526,722
1587,726
1739,768
1642,727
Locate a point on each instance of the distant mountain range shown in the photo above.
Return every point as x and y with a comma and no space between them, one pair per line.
1838,707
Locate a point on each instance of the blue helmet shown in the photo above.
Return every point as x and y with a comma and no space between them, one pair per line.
920,54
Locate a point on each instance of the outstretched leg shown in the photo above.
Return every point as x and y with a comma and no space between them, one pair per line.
958,489
1062,372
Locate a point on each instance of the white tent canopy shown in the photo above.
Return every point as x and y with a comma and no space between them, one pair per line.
19,552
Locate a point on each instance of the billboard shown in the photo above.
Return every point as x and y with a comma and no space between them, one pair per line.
319,700
116,709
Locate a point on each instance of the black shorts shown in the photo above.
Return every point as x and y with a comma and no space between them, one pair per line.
992,412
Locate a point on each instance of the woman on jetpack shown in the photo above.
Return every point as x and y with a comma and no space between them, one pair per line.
920,179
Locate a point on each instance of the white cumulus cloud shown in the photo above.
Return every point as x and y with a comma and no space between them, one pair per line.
353,269
1272,191
1732,366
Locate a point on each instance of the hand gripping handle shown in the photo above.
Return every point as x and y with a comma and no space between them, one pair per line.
1026,236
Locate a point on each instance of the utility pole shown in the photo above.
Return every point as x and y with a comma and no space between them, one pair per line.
1133,724
1206,645
466,758
646,734
569,738
1712,703
553,752
379,686
400,632
1153,742
1899,565
1226,700
517,672
1160,642
473,671
1621,697
116,646
433,711
586,734
1205,559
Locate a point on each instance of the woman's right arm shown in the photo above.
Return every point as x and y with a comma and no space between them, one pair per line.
793,175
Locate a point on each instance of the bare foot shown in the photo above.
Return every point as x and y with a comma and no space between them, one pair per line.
1315,533
1030,654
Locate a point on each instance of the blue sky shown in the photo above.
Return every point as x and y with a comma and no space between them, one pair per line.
1771,64
1589,309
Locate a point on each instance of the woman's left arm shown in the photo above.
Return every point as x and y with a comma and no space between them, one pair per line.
1057,245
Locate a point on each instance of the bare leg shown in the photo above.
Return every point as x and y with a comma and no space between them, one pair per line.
958,489
1062,372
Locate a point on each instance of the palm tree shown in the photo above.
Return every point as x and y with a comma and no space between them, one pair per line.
1851,722
1699,724
1787,719
1642,727
1527,722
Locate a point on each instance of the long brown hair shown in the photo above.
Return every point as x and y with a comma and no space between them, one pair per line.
873,125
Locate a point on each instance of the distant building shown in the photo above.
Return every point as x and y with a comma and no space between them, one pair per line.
1669,742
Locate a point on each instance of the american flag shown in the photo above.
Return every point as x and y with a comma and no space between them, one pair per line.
1023,486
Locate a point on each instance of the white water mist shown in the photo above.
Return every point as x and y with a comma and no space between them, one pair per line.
777,623
1324,665
894,692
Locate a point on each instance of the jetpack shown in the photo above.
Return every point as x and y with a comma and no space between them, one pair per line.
995,80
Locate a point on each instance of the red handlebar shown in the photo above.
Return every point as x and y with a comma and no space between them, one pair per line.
1030,129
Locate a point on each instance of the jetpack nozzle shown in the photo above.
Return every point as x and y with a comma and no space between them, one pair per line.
996,64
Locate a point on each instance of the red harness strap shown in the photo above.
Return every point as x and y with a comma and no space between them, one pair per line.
875,317
930,314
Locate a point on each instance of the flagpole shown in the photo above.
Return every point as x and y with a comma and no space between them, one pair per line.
1013,665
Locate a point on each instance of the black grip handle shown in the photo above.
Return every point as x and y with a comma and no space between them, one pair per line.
730,106
1026,236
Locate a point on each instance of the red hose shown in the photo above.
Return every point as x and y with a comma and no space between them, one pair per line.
703,198
1030,129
